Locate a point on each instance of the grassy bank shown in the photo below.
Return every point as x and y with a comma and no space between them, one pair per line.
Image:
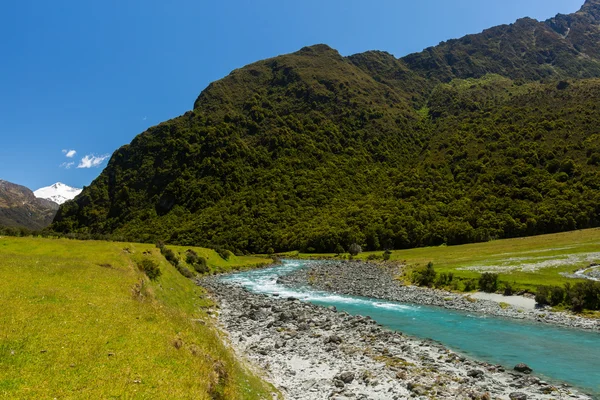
79,320
524,262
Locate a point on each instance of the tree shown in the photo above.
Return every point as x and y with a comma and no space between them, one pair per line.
424,276
488,282
354,249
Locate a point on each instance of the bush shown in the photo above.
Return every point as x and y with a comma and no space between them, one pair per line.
170,256
339,249
386,255
444,279
373,257
223,253
508,289
150,268
542,295
470,285
184,271
201,266
191,257
488,282
557,295
354,249
424,276
198,263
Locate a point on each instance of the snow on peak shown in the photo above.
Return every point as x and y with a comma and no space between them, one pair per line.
58,193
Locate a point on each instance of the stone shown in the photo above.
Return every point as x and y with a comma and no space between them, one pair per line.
524,368
338,383
475,373
346,377
517,396
333,339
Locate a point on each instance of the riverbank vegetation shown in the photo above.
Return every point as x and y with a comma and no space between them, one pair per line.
111,320
507,266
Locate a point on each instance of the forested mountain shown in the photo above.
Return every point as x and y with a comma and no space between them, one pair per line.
19,208
492,135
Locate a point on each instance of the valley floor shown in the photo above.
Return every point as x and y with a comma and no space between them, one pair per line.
378,281
311,352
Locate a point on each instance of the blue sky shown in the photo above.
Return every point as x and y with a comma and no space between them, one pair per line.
87,76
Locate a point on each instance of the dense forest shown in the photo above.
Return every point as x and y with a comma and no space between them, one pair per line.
489,136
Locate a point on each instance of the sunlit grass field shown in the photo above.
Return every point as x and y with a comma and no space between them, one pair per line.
524,262
79,320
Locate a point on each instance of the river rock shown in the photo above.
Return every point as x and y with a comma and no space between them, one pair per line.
524,368
475,373
335,339
376,365
346,377
517,396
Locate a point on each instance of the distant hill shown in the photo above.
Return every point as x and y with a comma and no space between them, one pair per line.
492,135
20,208
58,193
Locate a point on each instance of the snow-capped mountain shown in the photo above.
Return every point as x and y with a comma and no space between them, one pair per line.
58,193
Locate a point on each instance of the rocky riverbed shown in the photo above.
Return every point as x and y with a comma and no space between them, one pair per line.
365,279
310,353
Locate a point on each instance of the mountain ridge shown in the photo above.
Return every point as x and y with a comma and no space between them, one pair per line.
313,150
20,208
57,192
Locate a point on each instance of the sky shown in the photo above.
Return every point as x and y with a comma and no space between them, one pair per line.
79,79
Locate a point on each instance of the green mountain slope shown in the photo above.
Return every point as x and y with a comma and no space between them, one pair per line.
492,135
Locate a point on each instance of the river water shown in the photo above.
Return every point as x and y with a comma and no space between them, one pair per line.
559,355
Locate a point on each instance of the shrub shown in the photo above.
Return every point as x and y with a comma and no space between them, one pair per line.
201,266
354,249
557,295
470,285
170,256
424,276
488,282
198,263
542,295
373,257
150,268
444,279
223,253
184,271
339,249
386,255
508,289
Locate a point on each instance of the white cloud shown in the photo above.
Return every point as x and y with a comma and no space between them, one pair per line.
69,153
67,165
91,161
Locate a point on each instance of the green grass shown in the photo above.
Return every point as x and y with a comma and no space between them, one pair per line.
509,254
79,320
217,264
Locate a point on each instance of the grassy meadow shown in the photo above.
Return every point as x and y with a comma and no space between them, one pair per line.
523,262
79,320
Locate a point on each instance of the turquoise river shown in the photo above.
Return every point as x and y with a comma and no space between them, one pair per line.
557,354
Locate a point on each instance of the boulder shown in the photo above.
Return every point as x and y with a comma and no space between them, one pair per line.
333,339
475,373
346,377
517,396
524,368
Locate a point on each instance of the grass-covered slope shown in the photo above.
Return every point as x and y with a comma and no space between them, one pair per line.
79,320
313,151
